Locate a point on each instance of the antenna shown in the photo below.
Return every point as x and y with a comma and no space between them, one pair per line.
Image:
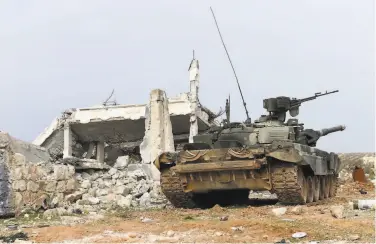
107,102
233,69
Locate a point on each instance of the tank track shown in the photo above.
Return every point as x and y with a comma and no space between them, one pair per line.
173,190
285,183
287,180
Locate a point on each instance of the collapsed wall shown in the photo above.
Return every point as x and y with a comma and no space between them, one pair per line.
28,179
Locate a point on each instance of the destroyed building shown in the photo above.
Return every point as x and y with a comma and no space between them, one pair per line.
100,155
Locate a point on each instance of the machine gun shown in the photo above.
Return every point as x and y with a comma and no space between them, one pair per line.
310,137
278,106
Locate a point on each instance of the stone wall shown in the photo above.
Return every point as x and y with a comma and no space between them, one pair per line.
31,179
28,179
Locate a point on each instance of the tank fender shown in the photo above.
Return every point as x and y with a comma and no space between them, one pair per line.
286,154
166,159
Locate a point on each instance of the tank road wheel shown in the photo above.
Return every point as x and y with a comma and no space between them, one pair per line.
302,181
333,185
325,186
322,180
172,188
316,192
310,189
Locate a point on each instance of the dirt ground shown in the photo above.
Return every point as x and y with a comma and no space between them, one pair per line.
255,222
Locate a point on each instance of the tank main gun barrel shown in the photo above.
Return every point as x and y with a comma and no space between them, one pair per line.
327,131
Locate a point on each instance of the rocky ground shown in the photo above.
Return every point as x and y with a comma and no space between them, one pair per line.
332,221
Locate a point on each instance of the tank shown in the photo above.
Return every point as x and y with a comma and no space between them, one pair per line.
223,164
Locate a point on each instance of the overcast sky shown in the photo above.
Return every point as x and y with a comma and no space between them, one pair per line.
56,55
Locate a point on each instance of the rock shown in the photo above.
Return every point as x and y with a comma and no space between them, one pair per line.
107,183
19,185
73,197
50,186
218,233
354,237
32,186
121,162
337,211
125,202
85,176
89,201
93,200
61,211
101,192
298,210
106,176
57,200
146,220
137,175
94,176
145,200
60,172
279,211
50,213
170,233
265,237
71,185
141,188
299,235
115,176
122,190
112,171
17,174
86,184
224,218
61,186
238,228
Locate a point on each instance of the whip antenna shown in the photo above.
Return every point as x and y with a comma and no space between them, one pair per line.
233,69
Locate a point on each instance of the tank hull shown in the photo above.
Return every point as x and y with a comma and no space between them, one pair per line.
298,174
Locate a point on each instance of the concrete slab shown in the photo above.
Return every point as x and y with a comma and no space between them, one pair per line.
123,124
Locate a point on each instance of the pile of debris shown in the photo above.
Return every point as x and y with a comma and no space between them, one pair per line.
124,185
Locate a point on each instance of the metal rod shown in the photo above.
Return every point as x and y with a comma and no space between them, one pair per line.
233,69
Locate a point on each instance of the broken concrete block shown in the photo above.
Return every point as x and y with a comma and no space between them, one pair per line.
86,184
122,162
60,172
337,211
125,202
